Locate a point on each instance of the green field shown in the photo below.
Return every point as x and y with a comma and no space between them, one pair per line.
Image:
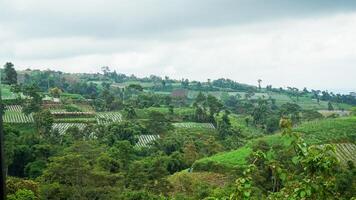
317,132
329,130
143,113
127,83
306,102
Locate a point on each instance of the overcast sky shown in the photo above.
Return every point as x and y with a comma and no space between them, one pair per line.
302,43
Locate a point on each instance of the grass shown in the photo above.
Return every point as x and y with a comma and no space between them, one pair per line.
229,159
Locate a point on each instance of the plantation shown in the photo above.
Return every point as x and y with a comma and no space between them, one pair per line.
346,152
108,117
193,125
146,140
63,127
328,113
14,114
329,130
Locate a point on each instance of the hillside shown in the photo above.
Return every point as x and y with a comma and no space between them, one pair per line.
152,136
337,130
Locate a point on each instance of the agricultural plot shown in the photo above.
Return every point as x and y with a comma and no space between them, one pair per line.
14,114
193,125
146,140
63,127
60,114
108,117
328,130
13,108
327,113
346,152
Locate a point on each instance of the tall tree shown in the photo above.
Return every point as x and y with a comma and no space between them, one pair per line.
34,104
43,122
330,106
259,83
10,75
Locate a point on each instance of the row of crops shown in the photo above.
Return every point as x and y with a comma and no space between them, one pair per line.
146,140
13,108
63,127
346,152
14,114
17,118
193,125
108,117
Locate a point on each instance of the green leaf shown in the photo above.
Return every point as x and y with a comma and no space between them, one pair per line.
302,194
295,160
247,194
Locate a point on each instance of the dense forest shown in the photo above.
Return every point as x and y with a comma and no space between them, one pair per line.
109,135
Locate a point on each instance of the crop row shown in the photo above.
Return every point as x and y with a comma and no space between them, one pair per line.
17,118
346,152
108,117
13,108
63,127
193,125
59,114
146,140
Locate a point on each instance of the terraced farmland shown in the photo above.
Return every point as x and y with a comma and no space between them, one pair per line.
63,127
193,125
346,152
146,140
14,114
108,117
13,108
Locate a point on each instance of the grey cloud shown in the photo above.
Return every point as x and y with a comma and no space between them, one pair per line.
150,18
